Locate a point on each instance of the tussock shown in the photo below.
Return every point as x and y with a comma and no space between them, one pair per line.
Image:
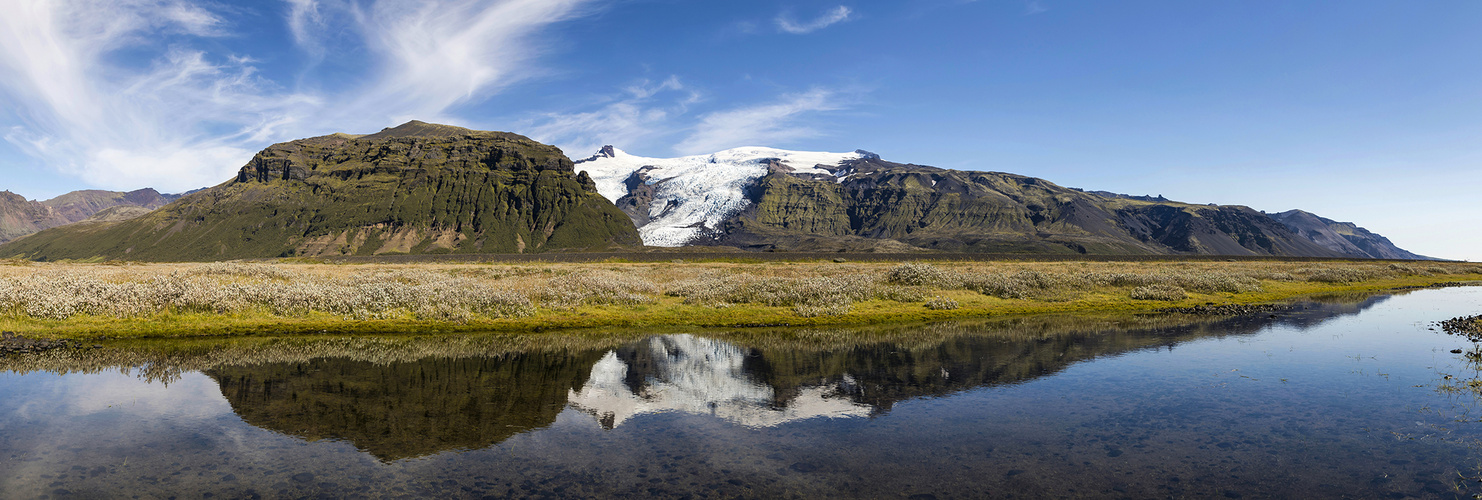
940,303
809,297
1159,292
465,293
1350,274
597,287
222,289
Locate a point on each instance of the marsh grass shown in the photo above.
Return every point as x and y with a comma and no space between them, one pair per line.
940,303
597,286
59,294
809,296
163,298
1159,292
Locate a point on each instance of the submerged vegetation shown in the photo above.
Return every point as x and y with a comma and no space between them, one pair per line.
141,300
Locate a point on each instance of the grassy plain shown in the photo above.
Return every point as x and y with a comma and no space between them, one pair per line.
128,300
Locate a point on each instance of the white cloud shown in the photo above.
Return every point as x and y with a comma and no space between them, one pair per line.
194,20
647,89
305,22
182,117
625,122
833,16
176,123
438,54
650,115
762,125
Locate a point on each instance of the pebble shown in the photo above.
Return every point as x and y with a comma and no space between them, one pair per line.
13,343
1228,309
1467,326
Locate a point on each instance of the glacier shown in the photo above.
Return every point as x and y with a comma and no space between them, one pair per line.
701,376
693,195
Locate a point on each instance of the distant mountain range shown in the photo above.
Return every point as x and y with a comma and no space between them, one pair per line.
423,188
770,199
1343,237
20,217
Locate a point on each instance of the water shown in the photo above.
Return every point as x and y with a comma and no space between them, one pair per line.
1345,397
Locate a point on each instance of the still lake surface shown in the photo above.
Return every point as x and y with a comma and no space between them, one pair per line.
1342,396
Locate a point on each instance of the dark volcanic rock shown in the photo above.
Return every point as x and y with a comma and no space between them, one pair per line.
1228,309
12,343
1468,326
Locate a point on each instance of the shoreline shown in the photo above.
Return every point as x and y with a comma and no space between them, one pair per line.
668,313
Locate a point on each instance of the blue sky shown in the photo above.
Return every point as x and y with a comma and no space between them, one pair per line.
1358,111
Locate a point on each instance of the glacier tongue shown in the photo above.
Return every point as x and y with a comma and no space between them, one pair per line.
693,195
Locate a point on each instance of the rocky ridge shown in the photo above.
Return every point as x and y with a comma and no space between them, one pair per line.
416,188
1343,237
769,199
20,217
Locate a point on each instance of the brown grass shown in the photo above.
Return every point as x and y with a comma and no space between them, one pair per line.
82,300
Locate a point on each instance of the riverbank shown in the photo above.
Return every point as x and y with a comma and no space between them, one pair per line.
93,301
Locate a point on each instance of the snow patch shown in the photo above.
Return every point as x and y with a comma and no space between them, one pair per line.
694,194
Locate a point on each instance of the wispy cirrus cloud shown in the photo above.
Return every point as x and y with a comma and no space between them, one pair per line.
651,116
170,122
128,93
643,112
774,123
306,23
833,16
434,55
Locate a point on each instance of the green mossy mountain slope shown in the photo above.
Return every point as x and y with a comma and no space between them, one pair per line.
874,204
417,188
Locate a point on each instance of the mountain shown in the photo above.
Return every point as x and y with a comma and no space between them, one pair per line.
415,188
770,199
406,409
20,217
1343,237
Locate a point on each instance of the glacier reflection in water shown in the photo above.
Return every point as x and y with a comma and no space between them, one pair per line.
690,374
1340,397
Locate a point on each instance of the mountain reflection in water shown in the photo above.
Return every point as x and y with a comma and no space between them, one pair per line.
412,408
407,409
702,376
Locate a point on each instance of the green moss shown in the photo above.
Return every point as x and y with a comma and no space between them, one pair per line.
299,198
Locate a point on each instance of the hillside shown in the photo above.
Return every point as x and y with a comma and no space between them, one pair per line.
768,199
20,217
416,188
1343,237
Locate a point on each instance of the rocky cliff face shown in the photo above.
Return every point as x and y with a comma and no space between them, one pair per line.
997,212
20,217
417,188
764,199
1343,237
